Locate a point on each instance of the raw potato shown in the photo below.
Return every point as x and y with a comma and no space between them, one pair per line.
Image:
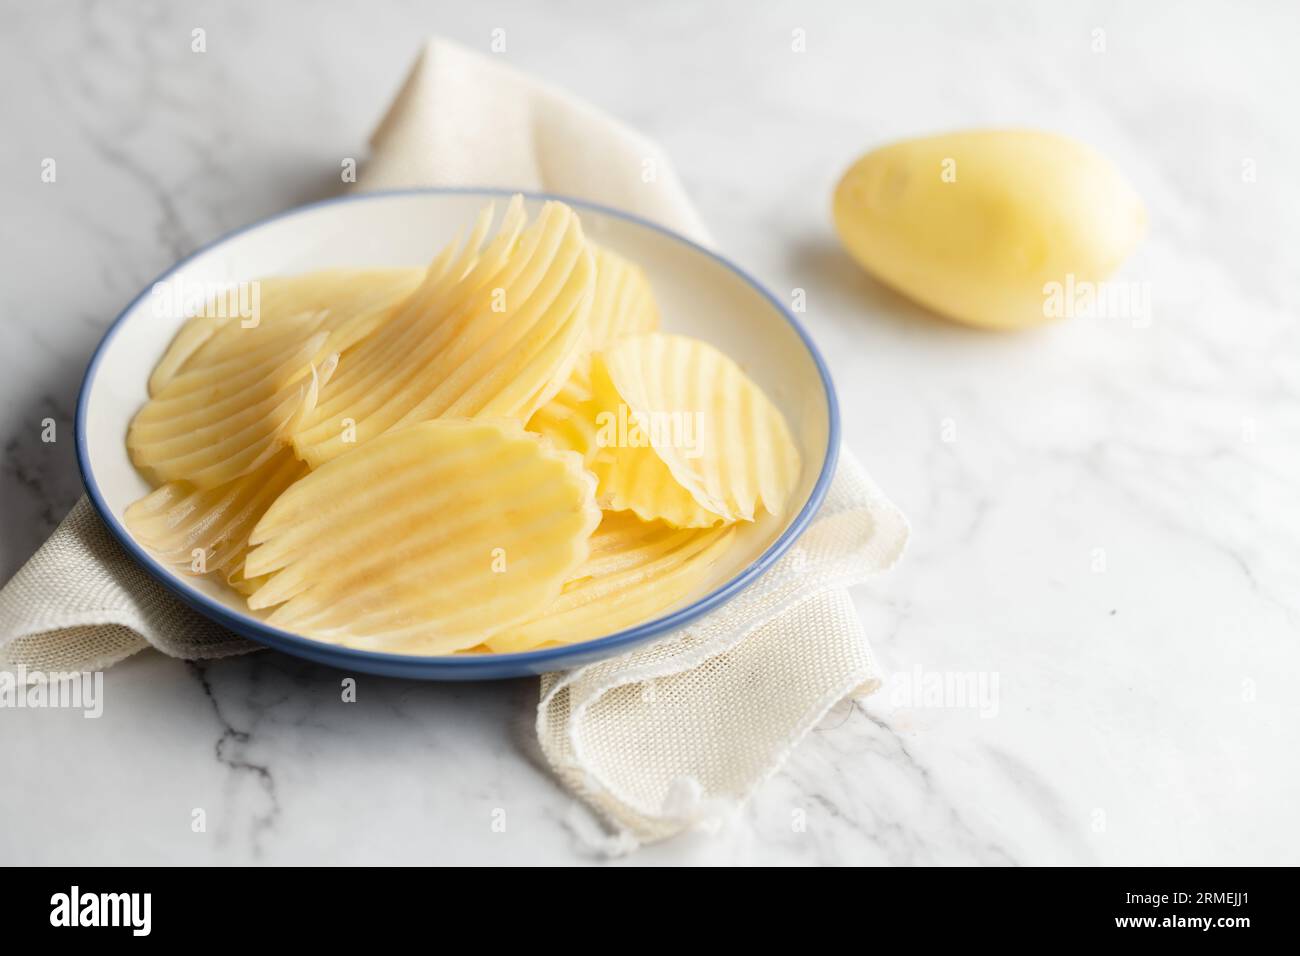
724,448
425,540
976,224
624,305
343,294
637,570
225,398
494,331
355,465
569,419
177,519
631,474
213,423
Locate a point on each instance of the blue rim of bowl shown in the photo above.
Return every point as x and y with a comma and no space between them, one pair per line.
465,666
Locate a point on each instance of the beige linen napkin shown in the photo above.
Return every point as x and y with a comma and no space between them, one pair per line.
664,738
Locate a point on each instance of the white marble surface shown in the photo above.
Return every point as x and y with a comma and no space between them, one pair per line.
1144,713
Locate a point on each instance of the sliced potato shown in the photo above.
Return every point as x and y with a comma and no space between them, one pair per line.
425,540
205,531
217,421
343,294
227,397
637,571
569,419
677,405
623,304
355,462
631,474
492,333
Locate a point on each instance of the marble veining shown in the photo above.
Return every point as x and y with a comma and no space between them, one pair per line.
1104,511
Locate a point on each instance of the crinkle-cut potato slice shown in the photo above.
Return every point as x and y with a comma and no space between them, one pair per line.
243,584
493,332
718,435
637,570
632,477
205,531
350,302
569,419
623,304
345,295
587,416
216,421
425,540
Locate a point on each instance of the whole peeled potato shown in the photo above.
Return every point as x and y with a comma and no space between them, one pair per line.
976,224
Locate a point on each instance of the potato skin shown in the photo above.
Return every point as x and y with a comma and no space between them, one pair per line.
974,224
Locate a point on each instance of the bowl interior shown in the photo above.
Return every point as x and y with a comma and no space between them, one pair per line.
698,294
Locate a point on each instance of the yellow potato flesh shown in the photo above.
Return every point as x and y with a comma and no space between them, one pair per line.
425,540
637,570
205,531
439,525
493,332
978,225
623,304
715,435
341,294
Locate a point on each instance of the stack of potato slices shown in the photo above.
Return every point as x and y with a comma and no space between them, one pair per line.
496,454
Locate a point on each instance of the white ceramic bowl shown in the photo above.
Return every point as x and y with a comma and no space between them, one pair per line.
699,293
